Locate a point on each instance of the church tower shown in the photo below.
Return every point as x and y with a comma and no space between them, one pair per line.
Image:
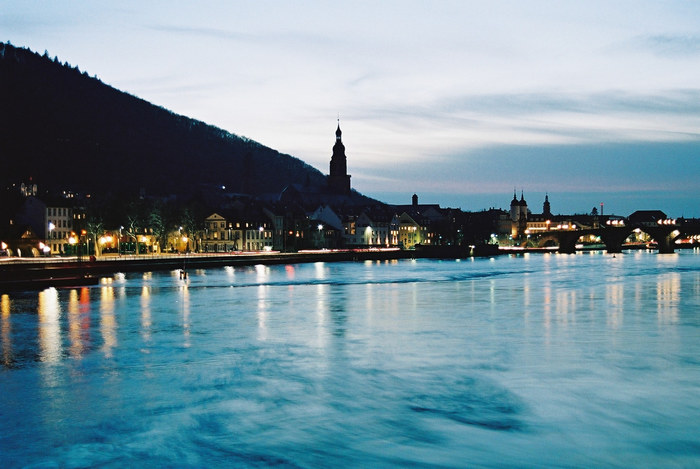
339,179
546,209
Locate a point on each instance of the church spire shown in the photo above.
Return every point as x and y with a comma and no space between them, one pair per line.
338,178
546,209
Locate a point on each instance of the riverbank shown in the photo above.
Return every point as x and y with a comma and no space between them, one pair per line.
37,273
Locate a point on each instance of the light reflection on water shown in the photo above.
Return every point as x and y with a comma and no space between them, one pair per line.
6,328
108,323
146,312
523,361
49,311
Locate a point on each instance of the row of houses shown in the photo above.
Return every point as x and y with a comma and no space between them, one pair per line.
300,219
58,226
281,228
39,225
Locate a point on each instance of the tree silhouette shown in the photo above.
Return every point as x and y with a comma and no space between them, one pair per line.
94,228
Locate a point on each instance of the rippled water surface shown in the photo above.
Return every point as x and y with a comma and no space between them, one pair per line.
529,361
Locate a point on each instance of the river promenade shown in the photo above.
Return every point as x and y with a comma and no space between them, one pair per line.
42,272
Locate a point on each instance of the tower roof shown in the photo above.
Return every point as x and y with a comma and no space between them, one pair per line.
522,198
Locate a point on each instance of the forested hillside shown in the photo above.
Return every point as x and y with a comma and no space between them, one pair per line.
69,131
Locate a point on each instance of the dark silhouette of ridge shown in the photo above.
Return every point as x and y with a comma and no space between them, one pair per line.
69,131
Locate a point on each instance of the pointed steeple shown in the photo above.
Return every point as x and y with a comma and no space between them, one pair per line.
338,178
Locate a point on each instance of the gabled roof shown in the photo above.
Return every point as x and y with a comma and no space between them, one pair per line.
647,216
326,214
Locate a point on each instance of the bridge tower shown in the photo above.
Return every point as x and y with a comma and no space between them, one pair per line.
518,215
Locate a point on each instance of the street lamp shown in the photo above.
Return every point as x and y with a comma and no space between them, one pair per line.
44,248
87,244
72,241
51,228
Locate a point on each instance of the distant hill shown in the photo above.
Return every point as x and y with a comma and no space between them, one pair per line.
69,131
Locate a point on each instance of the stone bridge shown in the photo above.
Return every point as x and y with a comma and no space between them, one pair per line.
613,235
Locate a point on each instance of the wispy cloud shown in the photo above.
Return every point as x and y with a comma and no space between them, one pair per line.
277,38
667,45
519,104
204,32
478,121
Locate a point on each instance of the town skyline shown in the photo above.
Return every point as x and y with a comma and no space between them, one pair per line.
459,104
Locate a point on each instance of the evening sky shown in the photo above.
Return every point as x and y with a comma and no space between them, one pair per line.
460,101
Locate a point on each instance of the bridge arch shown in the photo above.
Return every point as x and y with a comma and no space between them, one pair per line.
614,234
664,235
547,241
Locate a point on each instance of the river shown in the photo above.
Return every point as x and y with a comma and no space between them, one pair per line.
536,360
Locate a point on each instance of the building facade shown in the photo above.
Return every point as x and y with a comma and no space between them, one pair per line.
236,232
59,228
